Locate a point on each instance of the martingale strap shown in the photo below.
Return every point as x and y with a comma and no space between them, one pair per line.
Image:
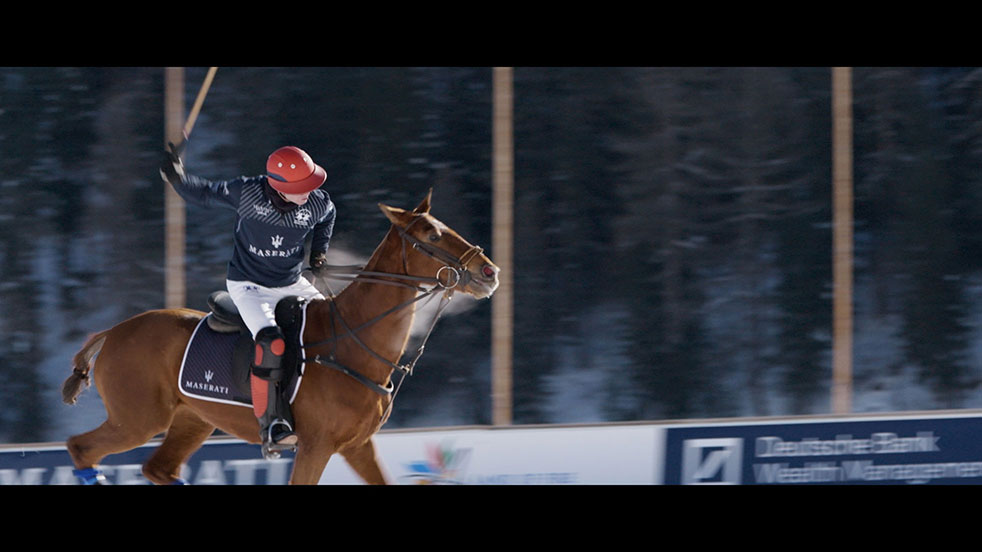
384,390
457,273
388,390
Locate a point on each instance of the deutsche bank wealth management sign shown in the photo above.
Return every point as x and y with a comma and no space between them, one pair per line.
895,451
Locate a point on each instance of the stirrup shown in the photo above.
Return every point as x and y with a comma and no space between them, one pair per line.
286,439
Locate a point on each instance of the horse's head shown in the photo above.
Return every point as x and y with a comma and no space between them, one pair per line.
436,249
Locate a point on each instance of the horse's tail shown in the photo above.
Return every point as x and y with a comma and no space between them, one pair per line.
79,380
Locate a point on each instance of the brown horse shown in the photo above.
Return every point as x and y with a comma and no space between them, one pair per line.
136,371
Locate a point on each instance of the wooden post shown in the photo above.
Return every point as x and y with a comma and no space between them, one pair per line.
501,302
174,216
842,239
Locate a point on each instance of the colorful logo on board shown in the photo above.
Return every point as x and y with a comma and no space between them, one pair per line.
443,465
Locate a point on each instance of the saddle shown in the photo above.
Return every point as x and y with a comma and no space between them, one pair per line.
218,359
225,316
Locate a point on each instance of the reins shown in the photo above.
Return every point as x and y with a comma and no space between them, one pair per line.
455,272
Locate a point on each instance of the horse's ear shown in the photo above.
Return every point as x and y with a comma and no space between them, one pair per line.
399,217
424,206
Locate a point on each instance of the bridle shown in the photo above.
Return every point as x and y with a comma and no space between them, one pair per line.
452,273
457,266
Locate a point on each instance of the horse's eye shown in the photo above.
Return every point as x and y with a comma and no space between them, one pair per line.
434,237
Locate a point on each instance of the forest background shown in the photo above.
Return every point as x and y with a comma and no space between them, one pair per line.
673,251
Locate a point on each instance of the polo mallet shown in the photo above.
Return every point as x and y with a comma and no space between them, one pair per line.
195,109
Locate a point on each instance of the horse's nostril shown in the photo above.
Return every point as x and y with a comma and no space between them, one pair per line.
488,271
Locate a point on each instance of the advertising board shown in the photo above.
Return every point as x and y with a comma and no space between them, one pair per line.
931,449
577,455
221,461
476,456
943,448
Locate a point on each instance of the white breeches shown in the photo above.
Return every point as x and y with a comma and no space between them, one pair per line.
257,304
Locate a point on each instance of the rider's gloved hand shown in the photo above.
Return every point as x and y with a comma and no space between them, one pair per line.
318,260
172,168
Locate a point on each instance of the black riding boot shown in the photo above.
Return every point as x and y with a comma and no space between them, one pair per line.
276,424
270,405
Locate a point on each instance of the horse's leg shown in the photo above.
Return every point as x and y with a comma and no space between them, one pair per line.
139,400
186,434
309,463
88,449
364,461
135,372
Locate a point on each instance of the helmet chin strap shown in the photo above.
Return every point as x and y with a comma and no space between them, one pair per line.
283,196
279,202
279,193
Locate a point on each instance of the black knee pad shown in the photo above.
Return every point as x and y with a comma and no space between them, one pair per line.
268,357
289,311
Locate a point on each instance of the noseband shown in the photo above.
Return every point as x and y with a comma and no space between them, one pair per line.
456,267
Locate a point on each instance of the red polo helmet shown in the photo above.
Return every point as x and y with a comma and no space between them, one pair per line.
291,171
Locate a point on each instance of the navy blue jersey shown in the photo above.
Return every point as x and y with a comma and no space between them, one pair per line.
268,242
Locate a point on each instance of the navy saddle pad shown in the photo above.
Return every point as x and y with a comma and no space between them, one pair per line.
216,366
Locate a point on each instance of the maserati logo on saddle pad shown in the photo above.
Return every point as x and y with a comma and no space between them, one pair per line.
210,372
